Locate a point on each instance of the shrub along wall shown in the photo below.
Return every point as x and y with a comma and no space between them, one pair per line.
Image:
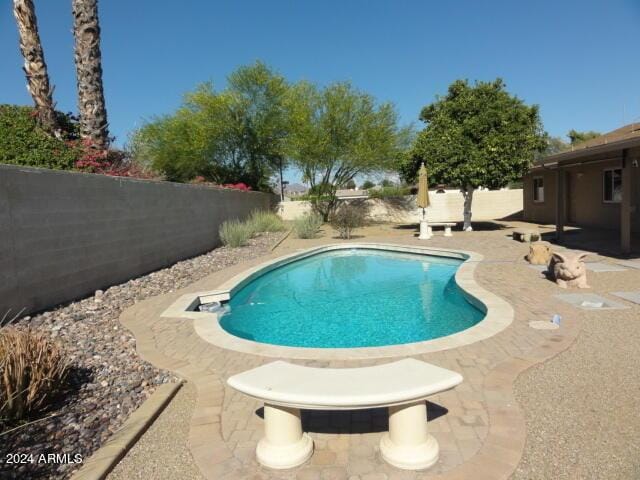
64,235
23,142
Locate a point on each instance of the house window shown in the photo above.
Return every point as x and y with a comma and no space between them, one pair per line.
612,185
538,189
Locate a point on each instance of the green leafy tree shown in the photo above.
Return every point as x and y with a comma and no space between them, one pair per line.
556,145
24,141
351,184
576,137
235,135
386,183
337,133
476,136
367,185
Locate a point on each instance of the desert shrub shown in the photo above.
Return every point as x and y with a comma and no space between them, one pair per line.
265,221
24,142
32,371
391,191
308,225
234,233
348,217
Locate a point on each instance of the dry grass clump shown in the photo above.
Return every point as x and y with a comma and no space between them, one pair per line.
265,221
32,370
308,225
234,233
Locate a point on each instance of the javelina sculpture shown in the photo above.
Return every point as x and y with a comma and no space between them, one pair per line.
568,270
539,254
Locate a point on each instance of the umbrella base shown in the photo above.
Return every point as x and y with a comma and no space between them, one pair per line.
425,230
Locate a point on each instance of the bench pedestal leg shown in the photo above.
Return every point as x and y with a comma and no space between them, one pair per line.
284,445
447,231
425,230
408,445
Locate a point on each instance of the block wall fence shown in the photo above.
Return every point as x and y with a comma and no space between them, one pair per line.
64,235
445,207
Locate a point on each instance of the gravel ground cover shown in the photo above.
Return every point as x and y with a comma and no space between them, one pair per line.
581,407
171,459
108,380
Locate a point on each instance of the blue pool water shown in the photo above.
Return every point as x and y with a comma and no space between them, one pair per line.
352,298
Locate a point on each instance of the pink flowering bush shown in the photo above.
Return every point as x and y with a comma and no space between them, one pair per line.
106,162
237,186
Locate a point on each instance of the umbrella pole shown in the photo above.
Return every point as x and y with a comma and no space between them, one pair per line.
425,233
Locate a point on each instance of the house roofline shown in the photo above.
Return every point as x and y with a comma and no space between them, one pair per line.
564,157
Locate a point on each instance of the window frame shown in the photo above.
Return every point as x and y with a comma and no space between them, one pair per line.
604,189
541,178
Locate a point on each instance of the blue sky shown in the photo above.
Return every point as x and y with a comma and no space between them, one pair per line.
574,58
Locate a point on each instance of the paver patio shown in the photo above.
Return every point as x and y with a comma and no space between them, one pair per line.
479,426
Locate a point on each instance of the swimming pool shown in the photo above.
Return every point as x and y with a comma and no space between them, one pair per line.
350,298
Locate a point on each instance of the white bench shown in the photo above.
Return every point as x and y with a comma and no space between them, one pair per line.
401,386
426,229
447,228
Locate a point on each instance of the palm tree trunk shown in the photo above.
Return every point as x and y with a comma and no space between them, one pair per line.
91,104
35,68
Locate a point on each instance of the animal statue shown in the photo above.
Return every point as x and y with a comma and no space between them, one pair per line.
568,270
539,254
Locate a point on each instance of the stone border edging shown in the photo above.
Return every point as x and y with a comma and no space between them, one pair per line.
100,464
282,239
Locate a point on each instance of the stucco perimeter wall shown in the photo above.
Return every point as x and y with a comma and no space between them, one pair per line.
63,235
445,207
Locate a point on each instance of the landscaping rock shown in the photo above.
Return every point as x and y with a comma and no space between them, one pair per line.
108,379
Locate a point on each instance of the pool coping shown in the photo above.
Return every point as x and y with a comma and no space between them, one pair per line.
499,313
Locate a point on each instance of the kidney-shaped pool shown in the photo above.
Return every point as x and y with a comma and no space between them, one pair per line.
352,298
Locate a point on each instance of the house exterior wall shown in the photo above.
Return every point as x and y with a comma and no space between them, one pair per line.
634,157
64,235
540,212
585,201
585,204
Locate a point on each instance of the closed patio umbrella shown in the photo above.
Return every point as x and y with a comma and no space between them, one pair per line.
423,201
423,188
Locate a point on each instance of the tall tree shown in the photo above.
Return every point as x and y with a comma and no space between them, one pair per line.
339,132
261,94
576,137
91,104
477,136
554,145
35,68
235,135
